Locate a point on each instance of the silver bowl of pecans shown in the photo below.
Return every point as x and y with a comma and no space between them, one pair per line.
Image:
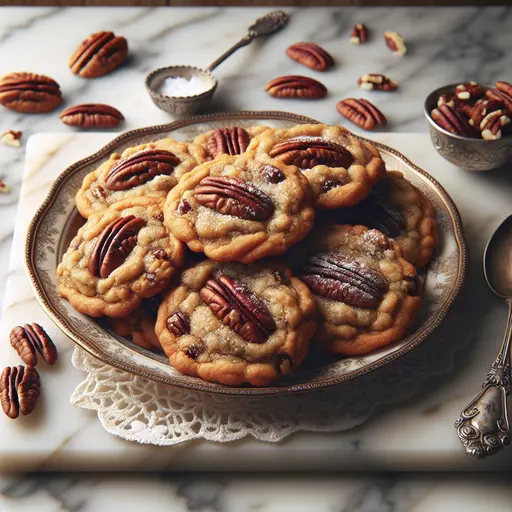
470,124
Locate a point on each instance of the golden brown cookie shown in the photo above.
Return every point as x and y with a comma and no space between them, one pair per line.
340,168
399,210
236,324
146,170
366,294
139,325
119,257
239,209
233,140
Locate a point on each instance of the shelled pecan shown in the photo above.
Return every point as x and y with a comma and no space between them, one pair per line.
396,43
19,390
362,113
376,82
31,339
359,34
296,86
310,55
91,115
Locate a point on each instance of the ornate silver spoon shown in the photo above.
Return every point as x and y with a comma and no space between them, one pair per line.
483,426
183,105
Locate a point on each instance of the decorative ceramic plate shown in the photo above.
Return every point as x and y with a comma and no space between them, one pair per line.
57,221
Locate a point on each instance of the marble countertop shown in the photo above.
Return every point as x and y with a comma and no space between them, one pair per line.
445,45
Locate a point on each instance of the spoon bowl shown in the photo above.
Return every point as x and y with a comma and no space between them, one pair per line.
498,260
180,105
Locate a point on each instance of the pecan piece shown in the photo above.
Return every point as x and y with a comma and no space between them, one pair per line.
503,93
98,55
272,174
452,121
178,323
239,308
295,86
493,123
91,115
306,151
233,196
19,390
448,99
140,168
469,91
376,82
480,109
30,339
395,42
229,141
310,55
114,245
336,278
359,34
11,138
29,93
362,113
4,189
194,351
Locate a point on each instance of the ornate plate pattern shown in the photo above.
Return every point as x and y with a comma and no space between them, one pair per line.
56,222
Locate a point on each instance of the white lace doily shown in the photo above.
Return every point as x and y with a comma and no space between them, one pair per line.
141,410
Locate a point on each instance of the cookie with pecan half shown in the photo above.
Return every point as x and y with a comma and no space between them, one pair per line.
236,324
240,209
232,140
146,170
140,324
366,294
340,168
399,210
119,257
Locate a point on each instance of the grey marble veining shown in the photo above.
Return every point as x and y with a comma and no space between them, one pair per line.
445,45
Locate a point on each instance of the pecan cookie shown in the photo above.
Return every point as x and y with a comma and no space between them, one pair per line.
340,168
236,324
119,257
240,209
228,141
366,294
400,211
140,324
147,170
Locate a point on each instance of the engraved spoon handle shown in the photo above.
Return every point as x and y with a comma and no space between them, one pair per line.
483,427
268,24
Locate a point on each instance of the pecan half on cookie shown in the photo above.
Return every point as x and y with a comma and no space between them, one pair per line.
29,93
295,86
310,55
116,259
98,54
240,208
366,294
362,113
91,115
225,322
146,170
340,168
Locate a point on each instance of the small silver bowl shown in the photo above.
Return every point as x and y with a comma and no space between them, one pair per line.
180,105
466,152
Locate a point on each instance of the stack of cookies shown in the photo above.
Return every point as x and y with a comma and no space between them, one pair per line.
239,252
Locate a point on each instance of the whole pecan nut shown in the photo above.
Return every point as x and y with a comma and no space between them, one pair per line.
295,86
310,55
114,245
98,55
29,93
31,339
239,308
336,278
395,42
469,91
362,113
359,34
229,141
233,196
140,168
178,323
376,82
306,152
493,123
91,115
452,120
19,390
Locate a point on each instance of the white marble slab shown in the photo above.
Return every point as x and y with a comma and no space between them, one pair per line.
418,434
